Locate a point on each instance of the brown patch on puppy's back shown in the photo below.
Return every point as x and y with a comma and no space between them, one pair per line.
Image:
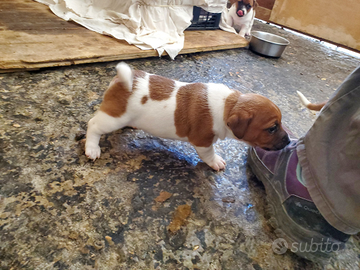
144,99
192,115
115,98
160,88
117,95
252,3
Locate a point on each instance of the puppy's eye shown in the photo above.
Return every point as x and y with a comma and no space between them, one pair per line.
273,129
248,6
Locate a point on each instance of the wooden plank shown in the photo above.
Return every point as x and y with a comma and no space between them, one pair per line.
32,37
38,50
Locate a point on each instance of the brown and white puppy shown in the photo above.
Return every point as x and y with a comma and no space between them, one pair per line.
200,113
241,16
308,104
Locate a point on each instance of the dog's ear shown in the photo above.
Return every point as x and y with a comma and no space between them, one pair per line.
255,5
238,124
232,1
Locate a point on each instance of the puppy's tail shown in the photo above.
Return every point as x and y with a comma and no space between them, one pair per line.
125,74
308,104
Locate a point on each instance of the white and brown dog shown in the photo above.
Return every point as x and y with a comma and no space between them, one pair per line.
241,16
200,113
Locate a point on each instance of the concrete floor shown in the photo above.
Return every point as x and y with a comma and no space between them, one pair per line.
58,210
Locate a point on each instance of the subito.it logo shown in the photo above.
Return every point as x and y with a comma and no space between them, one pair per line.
280,246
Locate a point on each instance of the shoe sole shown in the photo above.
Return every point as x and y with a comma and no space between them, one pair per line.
284,226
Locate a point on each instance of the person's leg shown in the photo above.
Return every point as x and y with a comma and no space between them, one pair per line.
294,212
329,155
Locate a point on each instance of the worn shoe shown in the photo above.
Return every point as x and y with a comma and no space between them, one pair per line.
297,222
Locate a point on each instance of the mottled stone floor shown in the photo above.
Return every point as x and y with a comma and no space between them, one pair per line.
59,210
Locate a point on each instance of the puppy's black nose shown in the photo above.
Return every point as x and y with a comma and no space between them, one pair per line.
286,139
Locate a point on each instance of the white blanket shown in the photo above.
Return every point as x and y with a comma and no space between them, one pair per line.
148,24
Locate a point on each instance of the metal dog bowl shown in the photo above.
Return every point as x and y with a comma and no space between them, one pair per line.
267,44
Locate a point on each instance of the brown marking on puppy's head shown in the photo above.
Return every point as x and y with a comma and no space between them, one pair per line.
192,115
160,88
253,3
255,120
117,95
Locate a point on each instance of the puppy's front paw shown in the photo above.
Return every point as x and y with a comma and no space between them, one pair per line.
92,152
217,163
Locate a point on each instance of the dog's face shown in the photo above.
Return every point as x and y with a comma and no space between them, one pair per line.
257,121
244,6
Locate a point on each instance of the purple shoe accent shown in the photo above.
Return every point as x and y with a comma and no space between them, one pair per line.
269,158
293,185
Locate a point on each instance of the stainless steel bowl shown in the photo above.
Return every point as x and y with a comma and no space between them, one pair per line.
267,44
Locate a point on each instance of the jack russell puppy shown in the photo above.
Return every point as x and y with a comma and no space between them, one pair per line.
241,16
199,113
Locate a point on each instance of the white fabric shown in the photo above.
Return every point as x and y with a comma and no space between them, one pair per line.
148,24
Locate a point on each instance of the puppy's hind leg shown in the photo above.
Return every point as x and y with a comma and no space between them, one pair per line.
101,123
207,154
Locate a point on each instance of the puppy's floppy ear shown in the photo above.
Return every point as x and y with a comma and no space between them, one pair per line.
233,1
238,124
